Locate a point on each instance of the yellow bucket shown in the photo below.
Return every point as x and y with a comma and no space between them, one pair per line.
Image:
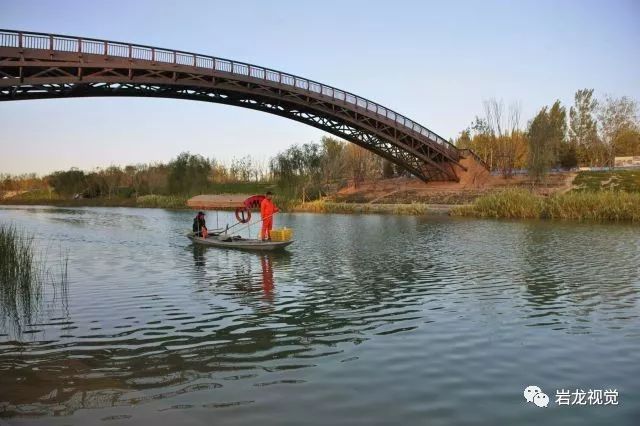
282,234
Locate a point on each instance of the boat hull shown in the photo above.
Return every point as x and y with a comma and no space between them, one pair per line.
243,244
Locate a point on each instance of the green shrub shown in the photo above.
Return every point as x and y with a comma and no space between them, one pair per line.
523,204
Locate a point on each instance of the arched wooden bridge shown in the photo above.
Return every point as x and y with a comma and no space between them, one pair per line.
38,66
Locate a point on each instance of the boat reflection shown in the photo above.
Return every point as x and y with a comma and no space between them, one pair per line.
267,276
249,272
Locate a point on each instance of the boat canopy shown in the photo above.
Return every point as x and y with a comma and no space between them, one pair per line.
225,201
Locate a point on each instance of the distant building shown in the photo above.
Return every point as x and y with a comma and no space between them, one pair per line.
627,161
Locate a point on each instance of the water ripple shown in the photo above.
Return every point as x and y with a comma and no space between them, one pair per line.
415,308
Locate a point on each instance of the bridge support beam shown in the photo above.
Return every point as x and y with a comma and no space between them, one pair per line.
41,66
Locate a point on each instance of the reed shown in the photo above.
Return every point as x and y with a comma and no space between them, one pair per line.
322,206
510,203
523,204
20,276
600,206
23,274
162,201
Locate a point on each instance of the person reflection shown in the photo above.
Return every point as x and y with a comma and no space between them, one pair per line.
198,257
267,276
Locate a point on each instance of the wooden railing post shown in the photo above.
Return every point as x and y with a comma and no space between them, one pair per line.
20,40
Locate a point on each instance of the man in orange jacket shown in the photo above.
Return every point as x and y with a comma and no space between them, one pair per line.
267,210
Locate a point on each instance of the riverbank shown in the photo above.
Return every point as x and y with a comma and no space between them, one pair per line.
145,201
604,196
507,204
319,206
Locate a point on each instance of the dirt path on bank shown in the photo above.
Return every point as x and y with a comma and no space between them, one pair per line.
405,190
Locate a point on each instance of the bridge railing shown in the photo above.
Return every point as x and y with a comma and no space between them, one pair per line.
31,40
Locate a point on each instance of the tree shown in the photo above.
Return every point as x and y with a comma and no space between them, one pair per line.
299,169
464,141
96,185
558,130
541,156
69,182
112,176
332,162
568,157
615,116
500,127
188,174
156,178
627,143
387,169
362,164
356,163
583,133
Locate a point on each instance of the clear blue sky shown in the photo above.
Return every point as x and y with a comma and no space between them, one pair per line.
433,61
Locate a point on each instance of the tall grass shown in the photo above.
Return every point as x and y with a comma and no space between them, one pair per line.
321,206
162,201
602,206
23,275
20,276
510,203
523,204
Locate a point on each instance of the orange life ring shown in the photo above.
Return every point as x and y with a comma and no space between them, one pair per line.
243,215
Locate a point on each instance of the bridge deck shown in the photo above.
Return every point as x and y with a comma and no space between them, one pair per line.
37,65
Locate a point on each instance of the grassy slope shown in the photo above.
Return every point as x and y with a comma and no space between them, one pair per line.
617,180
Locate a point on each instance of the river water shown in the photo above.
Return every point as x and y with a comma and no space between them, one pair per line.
365,320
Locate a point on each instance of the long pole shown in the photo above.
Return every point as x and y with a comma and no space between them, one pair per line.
249,224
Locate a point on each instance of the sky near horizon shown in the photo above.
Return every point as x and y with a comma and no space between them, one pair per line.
433,61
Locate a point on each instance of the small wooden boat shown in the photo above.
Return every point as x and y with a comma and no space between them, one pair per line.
236,242
242,205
